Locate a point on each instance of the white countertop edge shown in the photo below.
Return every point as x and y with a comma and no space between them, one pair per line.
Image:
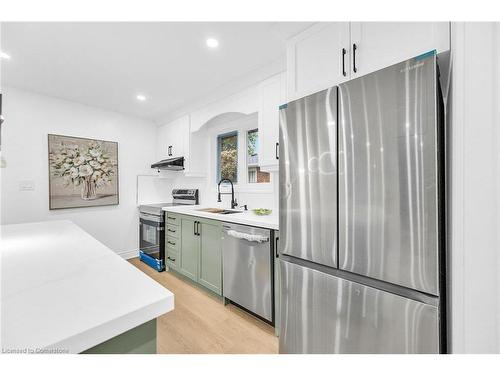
256,221
97,335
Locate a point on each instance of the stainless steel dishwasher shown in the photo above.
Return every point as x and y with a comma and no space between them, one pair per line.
247,268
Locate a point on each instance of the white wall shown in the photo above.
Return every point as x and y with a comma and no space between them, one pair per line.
252,194
475,203
29,118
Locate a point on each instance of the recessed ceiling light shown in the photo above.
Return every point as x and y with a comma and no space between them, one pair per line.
4,55
141,98
212,43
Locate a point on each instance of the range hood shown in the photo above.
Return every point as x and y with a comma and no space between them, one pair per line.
172,164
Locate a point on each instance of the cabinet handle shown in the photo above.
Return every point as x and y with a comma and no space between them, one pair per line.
194,228
171,218
198,228
171,243
170,230
354,48
344,73
277,150
276,248
169,150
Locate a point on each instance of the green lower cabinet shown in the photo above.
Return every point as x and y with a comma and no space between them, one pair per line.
190,245
138,340
200,251
210,267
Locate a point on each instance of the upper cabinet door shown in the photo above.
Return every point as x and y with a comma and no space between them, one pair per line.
270,100
381,44
317,58
173,139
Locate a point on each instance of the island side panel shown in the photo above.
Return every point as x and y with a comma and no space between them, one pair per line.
138,340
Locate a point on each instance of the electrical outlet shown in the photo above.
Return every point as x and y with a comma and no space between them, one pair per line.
28,185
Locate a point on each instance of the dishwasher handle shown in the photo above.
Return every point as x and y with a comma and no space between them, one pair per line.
247,236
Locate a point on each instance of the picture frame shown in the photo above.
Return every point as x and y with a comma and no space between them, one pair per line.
83,172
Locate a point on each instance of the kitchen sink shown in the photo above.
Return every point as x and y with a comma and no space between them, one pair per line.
221,211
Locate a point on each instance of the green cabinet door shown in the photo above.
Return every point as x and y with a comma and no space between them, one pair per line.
210,266
189,248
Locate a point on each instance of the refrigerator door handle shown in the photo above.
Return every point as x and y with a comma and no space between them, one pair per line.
344,73
354,48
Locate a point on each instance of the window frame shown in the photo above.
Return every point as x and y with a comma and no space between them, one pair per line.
241,127
218,143
247,156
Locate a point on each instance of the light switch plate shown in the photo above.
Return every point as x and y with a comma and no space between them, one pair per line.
27,185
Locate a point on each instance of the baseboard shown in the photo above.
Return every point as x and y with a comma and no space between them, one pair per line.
129,254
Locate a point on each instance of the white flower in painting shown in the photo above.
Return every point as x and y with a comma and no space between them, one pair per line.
71,153
66,166
79,160
94,164
96,175
95,153
73,172
85,170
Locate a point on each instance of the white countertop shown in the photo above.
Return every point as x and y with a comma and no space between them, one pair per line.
63,289
245,217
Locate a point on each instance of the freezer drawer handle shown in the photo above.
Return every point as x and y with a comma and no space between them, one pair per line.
247,236
277,151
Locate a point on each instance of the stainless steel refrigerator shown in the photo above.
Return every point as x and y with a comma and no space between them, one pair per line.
362,215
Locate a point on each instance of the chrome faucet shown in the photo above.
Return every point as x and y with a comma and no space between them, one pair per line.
233,200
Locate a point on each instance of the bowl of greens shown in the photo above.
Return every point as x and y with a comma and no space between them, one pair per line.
262,211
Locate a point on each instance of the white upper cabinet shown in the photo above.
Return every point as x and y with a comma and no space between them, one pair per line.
315,60
327,54
270,99
381,44
173,139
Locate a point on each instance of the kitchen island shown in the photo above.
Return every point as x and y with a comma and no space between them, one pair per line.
65,292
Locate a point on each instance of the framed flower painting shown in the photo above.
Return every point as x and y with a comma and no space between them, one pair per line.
83,172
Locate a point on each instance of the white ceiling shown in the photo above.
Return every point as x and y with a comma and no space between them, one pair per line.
108,64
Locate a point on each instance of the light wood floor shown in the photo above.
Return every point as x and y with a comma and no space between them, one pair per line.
200,323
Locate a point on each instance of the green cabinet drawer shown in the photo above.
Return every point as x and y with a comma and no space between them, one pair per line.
172,258
172,230
172,242
172,218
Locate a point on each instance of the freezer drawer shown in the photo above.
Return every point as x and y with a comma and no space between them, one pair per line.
308,178
247,268
321,313
389,175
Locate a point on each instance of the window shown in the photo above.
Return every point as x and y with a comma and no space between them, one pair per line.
227,156
254,173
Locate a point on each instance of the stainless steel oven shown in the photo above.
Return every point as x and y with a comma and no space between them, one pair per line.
152,239
152,227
